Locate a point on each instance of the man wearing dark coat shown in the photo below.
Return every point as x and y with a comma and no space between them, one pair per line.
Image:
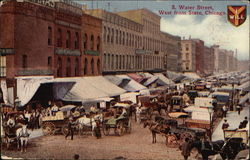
70,128
185,149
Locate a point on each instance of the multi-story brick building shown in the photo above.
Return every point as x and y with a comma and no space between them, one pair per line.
188,55
208,60
131,40
41,39
92,46
199,55
173,49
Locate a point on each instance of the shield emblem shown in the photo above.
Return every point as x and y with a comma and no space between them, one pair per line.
237,15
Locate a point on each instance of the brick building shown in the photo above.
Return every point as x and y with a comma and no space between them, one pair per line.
131,40
38,39
173,49
208,60
188,55
91,57
199,51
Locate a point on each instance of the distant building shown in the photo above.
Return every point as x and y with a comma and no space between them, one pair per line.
208,60
199,55
188,55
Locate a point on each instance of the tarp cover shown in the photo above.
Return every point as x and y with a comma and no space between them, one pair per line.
132,86
245,86
104,85
162,80
27,87
244,98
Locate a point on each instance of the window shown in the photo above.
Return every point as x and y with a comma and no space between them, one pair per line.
104,34
68,39
2,66
85,66
187,47
92,66
68,68
49,36
77,67
187,56
49,62
59,67
108,36
99,66
59,38
76,40
98,43
24,60
92,42
85,41
112,36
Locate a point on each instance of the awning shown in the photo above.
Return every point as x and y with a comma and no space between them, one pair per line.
132,85
245,86
27,87
244,98
150,80
104,85
191,75
162,80
4,91
136,77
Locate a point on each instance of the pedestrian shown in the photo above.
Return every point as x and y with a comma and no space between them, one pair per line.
224,110
138,114
185,149
245,122
97,129
70,128
238,108
225,125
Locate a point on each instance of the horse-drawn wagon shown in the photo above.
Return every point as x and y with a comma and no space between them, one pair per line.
58,122
121,122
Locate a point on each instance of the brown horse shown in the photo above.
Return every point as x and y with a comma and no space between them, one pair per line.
156,128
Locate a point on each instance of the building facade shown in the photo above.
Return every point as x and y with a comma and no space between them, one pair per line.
208,60
38,39
199,51
188,55
173,49
91,45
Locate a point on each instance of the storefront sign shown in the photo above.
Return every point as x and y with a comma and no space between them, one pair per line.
48,3
6,51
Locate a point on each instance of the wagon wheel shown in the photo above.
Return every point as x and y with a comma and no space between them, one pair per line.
194,153
105,129
171,141
48,128
120,129
185,135
65,130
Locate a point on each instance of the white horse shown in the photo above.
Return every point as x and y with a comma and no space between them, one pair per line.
22,137
88,122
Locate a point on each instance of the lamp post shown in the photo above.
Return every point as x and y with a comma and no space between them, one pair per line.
210,111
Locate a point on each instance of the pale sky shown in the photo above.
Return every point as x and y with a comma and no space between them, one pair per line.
213,29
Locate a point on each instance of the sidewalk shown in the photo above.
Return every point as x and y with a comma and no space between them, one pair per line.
233,119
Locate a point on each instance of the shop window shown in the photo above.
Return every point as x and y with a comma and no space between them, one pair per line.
59,38
49,36
59,67
68,39
24,61
92,66
49,62
2,66
85,66
68,68
77,67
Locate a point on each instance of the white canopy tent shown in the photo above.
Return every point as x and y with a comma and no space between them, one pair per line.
163,80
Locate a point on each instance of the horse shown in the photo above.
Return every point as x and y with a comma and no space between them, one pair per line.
88,122
22,138
227,149
156,128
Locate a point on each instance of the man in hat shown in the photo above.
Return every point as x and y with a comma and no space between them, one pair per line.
70,128
225,125
97,129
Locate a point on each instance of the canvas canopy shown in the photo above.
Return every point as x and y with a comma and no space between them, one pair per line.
245,86
132,85
244,98
162,80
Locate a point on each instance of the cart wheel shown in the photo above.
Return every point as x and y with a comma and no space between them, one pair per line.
185,135
105,129
48,128
65,130
171,141
194,153
120,129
